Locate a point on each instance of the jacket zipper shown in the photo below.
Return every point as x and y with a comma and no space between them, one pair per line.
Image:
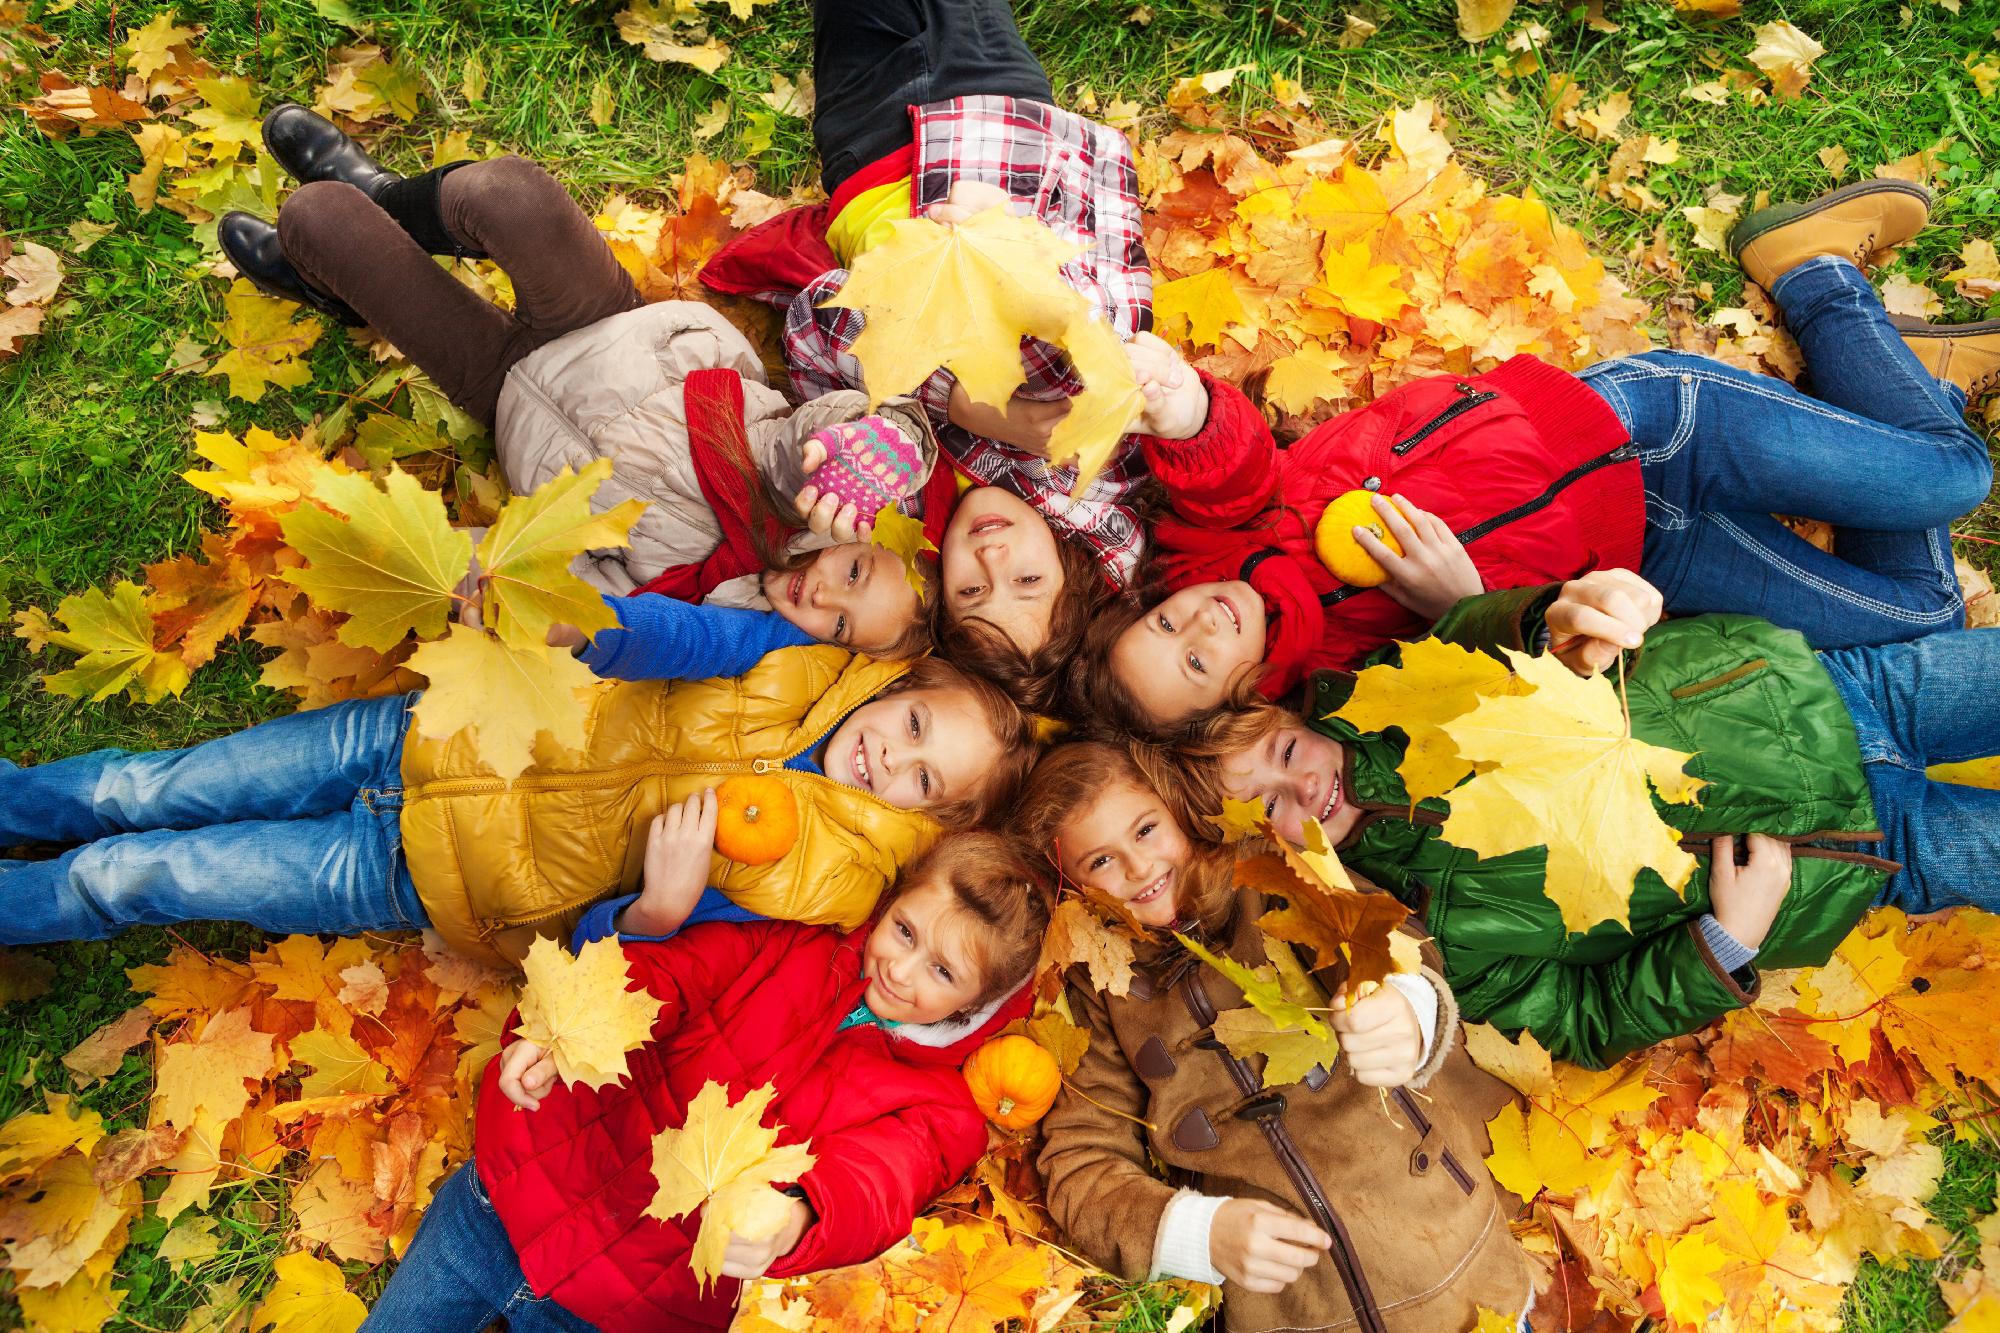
1623,453
1367,1315
1469,399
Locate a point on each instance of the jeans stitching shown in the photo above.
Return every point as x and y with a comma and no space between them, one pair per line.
1888,612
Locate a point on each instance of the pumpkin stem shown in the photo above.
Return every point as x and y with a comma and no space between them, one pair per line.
749,814
1006,1106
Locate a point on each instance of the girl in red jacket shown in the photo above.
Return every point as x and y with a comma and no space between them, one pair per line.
860,1033
1666,463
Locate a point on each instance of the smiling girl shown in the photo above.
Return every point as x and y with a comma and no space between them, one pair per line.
859,1034
1303,1202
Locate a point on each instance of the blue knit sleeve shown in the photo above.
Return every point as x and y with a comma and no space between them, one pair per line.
1731,954
602,919
662,638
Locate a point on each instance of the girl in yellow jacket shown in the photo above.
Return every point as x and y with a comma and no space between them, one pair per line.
345,819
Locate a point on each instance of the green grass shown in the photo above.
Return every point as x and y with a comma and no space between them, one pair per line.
93,430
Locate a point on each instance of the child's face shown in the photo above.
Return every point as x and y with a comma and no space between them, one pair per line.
1126,845
916,962
1294,773
853,595
914,749
1185,655
1000,565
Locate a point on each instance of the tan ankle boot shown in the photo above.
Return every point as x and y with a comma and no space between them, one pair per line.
1967,355
1851,222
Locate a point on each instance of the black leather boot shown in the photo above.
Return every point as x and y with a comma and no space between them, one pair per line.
252,245
313,148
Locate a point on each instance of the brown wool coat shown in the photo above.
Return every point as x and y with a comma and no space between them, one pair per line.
1420,1230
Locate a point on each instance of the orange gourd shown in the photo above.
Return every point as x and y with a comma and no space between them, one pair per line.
756,820
1013,1080
1333,539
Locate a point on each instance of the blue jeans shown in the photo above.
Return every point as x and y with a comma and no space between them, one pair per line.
1883,453
1932,701
291,825
461,1273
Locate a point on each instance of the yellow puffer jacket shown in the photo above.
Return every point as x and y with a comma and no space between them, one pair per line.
497,863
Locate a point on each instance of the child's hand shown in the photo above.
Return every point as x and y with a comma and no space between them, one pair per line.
750,1258
1434,573
527,1072
826,515
1379,1036
1025,423
472,612
1176,399
1262,1247
1599,616
966,200
679,843
1745,898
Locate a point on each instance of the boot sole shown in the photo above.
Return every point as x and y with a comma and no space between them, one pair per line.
1910,327
1766,220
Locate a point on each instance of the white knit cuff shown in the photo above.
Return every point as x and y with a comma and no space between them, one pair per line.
1181,1247
1423,998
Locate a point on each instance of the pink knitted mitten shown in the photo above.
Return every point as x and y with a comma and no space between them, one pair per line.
869,463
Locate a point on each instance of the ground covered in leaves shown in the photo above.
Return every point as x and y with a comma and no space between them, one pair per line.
208,1129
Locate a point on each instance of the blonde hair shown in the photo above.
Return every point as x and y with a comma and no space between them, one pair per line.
1070,778
999,892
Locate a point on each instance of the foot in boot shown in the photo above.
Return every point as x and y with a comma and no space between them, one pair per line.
1851,222
252,245
1967,355
313,148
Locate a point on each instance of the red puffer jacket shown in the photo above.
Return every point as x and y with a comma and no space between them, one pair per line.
1530,468
889,1118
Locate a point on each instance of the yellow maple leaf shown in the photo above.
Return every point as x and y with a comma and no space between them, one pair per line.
893,530
1311,375
114,636
191,1171
1786,56
977,1293
310,1295
388,557
1099,417
1492,1321
84,1304
209,1073
231,120
1845,995
525,557
1054,1029
150,48
961,297
577,1008
1265,989
340,1066
1523,1065
1289,1053
33,1139
1201,305
1076,935
1353,282
1536,1151
59,1226
1433,683
1688,1288
1567,776
724,1157
502,697
264,343
1240,819
663,31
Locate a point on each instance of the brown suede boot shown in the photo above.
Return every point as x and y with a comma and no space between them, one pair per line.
1852,222
1967,355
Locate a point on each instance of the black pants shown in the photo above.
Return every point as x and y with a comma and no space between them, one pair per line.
874,59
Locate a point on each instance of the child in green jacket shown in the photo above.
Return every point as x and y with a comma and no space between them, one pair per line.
1817,807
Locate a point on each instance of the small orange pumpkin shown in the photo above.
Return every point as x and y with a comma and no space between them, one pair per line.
756,820
1013,1080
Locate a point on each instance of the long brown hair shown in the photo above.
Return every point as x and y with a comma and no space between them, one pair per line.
999,891
1036,679
1071,777
772,525
1013,728
1108,707
1196,762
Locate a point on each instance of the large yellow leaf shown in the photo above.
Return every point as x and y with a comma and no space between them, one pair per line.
1434,683
577,1008
150,48
1100,416
893,530
1566,775
1265,990
264,343
114,636
208,1073
1353,282
339,1065
961,297
723,1156
309,1296
526,555
1078,935
1535,1151
31,1140
387,557
503,696
1202,304
1290,1053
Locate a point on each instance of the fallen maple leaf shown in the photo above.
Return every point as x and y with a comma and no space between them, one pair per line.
1432,683
661,30
114,636
102,1053
893,530
387,557
209,1073
37,271
578,1008
724,1161
310,1295
1566,775
1786,56
503,697
980,1293
1076,935
525,558
264,343
1200,306
150,49
962,297
32,1140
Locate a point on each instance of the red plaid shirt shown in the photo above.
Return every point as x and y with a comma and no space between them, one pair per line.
1078,177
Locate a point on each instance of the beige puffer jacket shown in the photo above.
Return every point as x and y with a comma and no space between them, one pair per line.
614,390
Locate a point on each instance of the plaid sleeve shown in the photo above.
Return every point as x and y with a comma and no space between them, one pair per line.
1118,247
817,339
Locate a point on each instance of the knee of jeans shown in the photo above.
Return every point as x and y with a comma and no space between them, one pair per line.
511,186
318,215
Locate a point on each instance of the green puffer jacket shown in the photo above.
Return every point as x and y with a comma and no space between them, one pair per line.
1777,748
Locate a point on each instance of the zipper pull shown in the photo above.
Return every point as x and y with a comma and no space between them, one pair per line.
761,765
1465,388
